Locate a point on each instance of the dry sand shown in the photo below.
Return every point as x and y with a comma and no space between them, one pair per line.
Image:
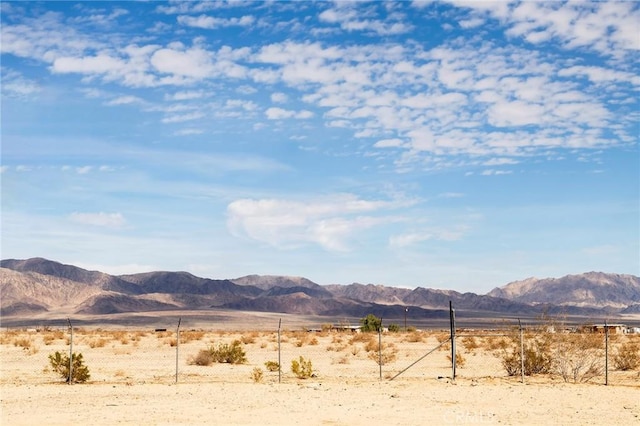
133,382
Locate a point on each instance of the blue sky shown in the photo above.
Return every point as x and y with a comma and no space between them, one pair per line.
457,145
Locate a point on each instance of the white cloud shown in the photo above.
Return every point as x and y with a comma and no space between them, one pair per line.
185,95
328,222
389,143
179,118
210,22
279,97
125,100
108,220
15,84
275,113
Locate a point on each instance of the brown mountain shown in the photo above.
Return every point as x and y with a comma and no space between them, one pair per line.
590,290
36,286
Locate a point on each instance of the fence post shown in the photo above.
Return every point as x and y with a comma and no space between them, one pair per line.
521,350
606,354
178,346
452,320
279,358
380,348
69,379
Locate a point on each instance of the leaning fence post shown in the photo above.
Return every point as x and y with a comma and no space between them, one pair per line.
279,358
69,381
177,346
521,350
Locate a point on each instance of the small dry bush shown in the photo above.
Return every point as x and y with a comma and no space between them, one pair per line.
341,360
387,354
191,335
414,337
302,368
223,353
361,338
51,336
272,366
579,357
470,344
98,343
257,375
249,338
23,342
627,357
460,360
538,353
371,345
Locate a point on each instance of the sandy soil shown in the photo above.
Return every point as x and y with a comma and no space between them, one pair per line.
133,381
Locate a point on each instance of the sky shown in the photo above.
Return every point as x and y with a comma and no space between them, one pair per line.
455,145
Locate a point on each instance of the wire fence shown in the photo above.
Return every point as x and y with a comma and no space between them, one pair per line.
343,354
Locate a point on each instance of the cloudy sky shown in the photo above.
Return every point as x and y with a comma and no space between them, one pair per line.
456,145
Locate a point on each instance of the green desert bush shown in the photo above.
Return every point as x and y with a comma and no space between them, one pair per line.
302,368
272,366
222,353
370,323
60,364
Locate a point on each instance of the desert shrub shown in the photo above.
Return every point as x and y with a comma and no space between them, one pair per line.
203,357
414,337
60,364
257,375
387,354
360,338
98,343
627,357
223,353
370,323
470,344
23,342
249,338
460,360
302,368
579,357
190,335
394,328
371,345
272,366
538,354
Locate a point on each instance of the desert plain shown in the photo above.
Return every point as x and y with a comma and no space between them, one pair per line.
142,375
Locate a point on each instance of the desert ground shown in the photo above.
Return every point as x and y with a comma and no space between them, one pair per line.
141,375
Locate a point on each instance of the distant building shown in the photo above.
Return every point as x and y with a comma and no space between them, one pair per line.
612,328
633,330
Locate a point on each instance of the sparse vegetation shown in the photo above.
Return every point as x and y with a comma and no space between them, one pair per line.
627,357
272,366
60,364
579,357
223,353
257,375
302,368
460,360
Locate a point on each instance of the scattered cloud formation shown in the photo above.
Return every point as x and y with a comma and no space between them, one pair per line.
382,138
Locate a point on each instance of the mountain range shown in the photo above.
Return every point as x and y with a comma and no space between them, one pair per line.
41,286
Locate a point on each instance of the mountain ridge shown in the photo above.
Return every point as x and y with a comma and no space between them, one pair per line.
39,285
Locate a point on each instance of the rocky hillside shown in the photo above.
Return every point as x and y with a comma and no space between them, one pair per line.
40,286
592,290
